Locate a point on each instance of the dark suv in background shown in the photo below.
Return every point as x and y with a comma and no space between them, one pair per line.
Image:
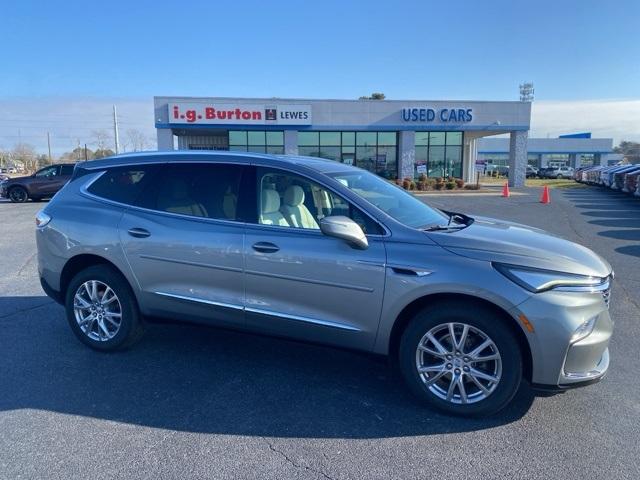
45,183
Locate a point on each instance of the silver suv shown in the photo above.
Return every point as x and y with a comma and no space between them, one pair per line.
317,250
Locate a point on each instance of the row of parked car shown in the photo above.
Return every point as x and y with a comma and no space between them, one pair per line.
617,177
550,172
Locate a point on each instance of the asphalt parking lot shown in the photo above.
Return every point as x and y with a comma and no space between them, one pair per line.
196,402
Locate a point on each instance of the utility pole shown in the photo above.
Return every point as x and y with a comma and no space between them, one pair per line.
49,146
115,129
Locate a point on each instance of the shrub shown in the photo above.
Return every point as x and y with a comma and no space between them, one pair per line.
459,183
422,177
412,185
398,182
450,185
472,186
439,186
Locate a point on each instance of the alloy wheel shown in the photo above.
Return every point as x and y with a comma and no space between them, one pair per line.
458,363
18,195
97,310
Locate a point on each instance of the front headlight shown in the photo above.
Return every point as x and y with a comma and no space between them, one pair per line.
539,280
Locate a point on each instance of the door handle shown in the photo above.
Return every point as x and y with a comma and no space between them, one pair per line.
265,247
138,232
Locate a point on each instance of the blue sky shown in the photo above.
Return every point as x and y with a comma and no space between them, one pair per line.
129,51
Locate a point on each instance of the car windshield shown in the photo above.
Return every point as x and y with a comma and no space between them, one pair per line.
395,202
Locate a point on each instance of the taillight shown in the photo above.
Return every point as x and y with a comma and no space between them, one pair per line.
42,219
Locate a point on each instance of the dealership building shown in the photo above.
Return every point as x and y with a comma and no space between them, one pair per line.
393,138
574,150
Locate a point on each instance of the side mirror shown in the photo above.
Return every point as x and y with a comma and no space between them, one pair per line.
346,229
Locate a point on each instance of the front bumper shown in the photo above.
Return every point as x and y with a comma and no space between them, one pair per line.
557,362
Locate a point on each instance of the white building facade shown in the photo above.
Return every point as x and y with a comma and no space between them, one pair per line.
393,138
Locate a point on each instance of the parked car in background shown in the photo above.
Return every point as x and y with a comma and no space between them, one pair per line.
45,183
559,172
325,252
608,175
532,172
619,177
631,182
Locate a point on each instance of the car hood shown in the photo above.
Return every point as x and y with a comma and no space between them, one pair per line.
513,243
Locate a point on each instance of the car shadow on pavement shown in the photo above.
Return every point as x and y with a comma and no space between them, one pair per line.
201,379
615,209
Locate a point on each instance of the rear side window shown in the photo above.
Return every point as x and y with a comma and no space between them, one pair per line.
123,184
66,170
208,190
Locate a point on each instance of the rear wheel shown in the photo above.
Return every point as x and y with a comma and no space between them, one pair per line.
461,359
18,195
101,309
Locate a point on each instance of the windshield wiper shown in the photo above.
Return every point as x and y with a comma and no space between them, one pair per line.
437,228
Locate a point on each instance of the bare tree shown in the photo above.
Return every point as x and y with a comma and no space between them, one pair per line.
102,139
25,155
135,140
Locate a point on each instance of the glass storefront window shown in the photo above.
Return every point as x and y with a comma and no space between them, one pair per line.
386,138
437,138
454,138
237,138
258,141
422,138
308,139
453,157
275,138
436,164
374,151
256,138
348,138
365,138
438,154
330,138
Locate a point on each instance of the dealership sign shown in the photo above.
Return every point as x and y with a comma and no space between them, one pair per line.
441,115
239,114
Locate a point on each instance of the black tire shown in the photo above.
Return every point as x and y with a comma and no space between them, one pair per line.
480,318
18,194
131,326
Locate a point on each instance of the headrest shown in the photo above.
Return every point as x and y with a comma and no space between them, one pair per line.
294,195
270,201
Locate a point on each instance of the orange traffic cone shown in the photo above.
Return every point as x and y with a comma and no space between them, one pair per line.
545,198
505,190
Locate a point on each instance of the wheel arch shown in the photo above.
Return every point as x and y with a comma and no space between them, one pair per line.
80,262
418,304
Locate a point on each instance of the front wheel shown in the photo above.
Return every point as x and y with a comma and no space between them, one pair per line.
461,359
18,195
102,310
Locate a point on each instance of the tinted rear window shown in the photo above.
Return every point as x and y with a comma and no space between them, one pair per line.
123,184
66,169
209,190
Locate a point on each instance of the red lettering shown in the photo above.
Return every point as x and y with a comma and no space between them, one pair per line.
246,116
256,115
238,113
221,114
229,114
191,116
176,112
209,113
